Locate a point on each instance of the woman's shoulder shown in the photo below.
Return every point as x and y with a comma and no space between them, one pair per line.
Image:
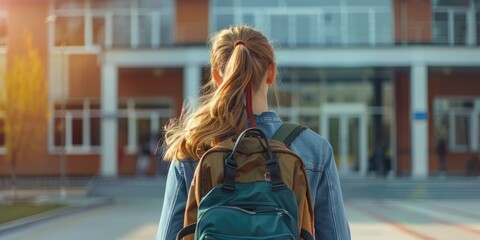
312,148
312,139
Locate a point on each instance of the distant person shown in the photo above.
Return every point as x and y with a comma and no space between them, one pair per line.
378,159
442,155
144,154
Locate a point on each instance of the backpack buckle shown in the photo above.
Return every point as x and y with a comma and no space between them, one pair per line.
267,176
228,188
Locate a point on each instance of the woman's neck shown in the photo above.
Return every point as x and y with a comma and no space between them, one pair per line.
259,102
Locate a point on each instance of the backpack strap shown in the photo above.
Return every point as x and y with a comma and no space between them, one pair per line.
190,229
288,132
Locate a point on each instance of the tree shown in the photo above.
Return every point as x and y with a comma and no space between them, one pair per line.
24,103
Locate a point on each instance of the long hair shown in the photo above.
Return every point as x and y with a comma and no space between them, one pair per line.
220,112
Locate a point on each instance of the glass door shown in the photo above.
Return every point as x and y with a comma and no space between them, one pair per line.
345,126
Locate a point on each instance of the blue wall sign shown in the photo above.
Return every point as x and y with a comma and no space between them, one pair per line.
420,116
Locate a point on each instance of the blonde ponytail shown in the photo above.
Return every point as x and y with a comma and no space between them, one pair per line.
240,55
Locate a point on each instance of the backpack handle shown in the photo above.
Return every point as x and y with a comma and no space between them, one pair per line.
271,162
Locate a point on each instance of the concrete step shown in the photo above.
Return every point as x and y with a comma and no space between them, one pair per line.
126,187
44,182
356,188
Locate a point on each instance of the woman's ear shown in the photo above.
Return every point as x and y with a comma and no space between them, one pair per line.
216,76
271,73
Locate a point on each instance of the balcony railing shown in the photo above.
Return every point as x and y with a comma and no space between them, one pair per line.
113,28
353,26
316,26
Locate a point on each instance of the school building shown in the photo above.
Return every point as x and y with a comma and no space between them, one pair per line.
405,73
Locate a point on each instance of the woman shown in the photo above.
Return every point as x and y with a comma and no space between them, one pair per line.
242,69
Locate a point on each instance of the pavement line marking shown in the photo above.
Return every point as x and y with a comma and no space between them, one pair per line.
435,219
452,211
393,223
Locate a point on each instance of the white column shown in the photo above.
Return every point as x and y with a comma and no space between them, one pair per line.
419,119
109,130
191,82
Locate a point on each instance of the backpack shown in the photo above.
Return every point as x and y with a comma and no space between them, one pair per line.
250,188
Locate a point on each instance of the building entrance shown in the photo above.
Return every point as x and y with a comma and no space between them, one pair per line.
345,126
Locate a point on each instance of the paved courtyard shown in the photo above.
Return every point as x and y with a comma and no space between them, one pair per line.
369,219
414,219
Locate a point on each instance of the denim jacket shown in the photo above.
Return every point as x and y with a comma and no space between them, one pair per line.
315,151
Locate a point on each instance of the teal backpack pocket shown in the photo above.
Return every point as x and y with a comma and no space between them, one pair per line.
273,223
251,211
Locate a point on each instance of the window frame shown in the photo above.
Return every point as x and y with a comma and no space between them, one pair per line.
126,109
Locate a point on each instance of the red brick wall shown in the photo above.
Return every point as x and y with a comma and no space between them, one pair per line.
450,82
443,82
412,21
402,107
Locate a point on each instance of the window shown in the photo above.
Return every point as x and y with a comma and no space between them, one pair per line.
113,23
69,31
456,121
121,31
452,24
440,27
307,30
310,23
452,3
77,124
478,23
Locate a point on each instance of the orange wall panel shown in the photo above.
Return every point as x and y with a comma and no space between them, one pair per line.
84,76
27,17
191,22
152,82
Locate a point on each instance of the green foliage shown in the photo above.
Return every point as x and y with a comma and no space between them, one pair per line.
24,106
25,102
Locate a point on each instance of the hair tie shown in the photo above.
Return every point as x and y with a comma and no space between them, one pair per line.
238,42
